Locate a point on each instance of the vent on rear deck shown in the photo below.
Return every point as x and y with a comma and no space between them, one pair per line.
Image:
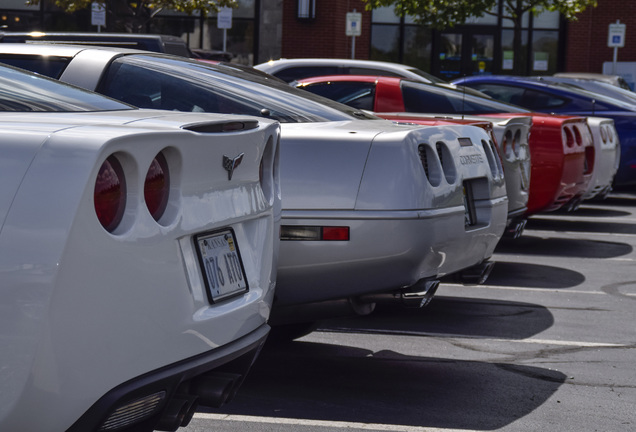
231,126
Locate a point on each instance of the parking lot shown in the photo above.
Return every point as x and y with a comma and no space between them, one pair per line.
547,344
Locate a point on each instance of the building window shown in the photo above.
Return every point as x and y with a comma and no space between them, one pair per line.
306,9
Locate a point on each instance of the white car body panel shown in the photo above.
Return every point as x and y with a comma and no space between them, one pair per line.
395,69
83,310
607,153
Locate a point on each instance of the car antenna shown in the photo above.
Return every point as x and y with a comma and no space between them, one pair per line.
463,97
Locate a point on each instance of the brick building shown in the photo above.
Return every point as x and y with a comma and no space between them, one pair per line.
269,29
587,36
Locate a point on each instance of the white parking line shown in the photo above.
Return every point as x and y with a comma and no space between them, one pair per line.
552,290
322,423
579,344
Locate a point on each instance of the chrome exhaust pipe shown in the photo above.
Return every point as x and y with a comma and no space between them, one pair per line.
477,274
515,229
415,296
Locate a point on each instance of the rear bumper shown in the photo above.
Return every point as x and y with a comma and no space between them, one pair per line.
209,379
387,250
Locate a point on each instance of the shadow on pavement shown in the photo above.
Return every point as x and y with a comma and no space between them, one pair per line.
453,316
529,244
305,380
523,275
592,212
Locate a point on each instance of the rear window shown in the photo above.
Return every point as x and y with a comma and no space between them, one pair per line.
355,94
430,98
528,98
170,83
21,91
49,66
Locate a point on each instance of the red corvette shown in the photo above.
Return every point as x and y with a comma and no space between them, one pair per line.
561,147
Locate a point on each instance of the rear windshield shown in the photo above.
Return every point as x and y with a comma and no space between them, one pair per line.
426,98
22,91
170,83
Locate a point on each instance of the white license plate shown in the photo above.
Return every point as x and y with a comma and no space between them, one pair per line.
221,265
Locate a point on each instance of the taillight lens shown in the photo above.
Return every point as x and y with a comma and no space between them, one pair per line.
507,146
314,233
157,186
110,194
568,138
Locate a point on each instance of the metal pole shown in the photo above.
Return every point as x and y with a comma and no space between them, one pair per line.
353,47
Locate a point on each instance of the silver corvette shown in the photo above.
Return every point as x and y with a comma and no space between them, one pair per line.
372,211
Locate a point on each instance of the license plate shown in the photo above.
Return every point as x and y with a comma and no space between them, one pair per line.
470,213
221,265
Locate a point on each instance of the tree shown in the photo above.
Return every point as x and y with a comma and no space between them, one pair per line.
442,14
133,15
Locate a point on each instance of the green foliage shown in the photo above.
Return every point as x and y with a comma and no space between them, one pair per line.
133,15
441,14
188,6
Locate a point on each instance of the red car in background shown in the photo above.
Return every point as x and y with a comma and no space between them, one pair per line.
561,147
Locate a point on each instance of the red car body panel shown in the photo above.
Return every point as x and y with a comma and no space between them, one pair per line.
560,169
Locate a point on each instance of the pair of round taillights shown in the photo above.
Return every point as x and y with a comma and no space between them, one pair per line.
510,145
111,192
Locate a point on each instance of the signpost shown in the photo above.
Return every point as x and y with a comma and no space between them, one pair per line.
98,15
616,40
354,28
224,21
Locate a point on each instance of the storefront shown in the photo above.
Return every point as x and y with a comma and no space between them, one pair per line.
484,45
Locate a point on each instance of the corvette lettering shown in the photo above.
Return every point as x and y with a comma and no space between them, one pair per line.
471,159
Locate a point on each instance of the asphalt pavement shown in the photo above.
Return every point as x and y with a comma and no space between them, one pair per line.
548,343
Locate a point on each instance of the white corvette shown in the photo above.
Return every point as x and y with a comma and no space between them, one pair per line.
138,250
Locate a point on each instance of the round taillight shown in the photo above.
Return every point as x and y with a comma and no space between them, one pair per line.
578,139
507,146
516,143
604,134
110,194
568,138
157,186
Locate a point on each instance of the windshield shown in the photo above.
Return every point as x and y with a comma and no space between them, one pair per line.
21,91
163,82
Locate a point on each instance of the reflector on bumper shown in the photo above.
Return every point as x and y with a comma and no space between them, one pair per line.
314,233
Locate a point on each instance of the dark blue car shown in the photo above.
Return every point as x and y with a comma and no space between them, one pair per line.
549,97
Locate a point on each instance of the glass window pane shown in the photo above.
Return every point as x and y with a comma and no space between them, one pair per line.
545,47
508,54
483,48
547,20
418,47
450,55
385,42
384,15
